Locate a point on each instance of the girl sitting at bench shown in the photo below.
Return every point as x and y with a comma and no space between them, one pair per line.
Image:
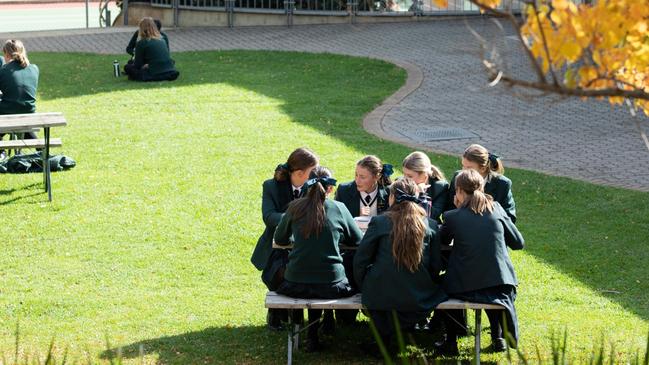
491,169
398,261
315,268
479,268
278,192
430,179
18,82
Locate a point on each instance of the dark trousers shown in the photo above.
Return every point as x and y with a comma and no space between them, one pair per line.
385,323
140,74
454,317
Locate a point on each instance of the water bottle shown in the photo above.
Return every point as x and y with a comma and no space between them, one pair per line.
116,68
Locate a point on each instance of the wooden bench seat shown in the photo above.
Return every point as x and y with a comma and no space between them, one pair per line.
278,301
18,144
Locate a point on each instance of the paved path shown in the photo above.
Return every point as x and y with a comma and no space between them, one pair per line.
585,140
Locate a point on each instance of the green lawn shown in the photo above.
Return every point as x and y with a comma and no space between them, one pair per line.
148,239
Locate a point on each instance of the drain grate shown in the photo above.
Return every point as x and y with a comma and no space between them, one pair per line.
442,134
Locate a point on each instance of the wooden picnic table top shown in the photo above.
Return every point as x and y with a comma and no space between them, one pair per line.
19,122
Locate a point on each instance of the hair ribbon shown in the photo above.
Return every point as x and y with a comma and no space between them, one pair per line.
325,181
387,170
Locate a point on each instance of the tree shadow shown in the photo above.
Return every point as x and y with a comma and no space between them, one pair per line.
580,229
245,344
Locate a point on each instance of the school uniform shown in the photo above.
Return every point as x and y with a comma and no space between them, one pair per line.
315,267
349,195
387,287
437,193
18,86
155,54
130,48
496,185
479,267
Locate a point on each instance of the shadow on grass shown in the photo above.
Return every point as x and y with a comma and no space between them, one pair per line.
594,234
247,344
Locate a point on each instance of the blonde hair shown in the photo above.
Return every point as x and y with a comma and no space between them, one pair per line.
487,161
148,29
408,228
16,50
472,184
419,162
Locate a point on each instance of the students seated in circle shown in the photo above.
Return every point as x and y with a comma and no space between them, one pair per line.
277,193
18,82
430,180
479,268
152,60
368,194
398,261
315,267
491,168
130,48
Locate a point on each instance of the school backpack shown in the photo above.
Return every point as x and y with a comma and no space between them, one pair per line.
20,164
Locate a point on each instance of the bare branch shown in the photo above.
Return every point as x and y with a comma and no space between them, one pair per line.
555,80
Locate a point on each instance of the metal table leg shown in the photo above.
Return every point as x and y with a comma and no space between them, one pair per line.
46,164
478,330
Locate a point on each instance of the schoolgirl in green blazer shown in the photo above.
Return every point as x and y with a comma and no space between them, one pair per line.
491,169
397,264
368,194
479,267
430,180
277,193
317,226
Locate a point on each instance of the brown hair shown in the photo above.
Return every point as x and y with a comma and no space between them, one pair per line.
300,159
16,50
420,162
311,207
408,229
472,183
148,29
487,161
374,165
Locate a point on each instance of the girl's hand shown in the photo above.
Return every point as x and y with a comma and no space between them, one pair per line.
365,211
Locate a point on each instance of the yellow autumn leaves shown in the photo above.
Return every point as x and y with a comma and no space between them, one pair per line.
599,46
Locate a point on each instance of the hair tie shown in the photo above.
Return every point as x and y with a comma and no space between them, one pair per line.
493,158
402,196
325,181
282,166
387,170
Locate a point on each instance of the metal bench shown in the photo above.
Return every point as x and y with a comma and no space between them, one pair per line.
277,301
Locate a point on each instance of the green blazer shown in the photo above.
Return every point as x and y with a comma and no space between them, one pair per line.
18,86
479,258
384,285
153,52
130,48
317,260
498,186
349,195
274,201
438,195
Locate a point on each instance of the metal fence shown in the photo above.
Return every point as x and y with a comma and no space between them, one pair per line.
351,8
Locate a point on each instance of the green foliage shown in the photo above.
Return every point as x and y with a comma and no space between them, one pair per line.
148,239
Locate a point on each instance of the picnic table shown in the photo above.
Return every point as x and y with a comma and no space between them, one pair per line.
19,123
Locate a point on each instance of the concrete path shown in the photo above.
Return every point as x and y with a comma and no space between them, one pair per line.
448,105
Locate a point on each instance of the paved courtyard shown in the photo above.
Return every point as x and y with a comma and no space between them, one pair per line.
585,140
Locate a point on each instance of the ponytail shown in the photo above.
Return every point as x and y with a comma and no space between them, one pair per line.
420,162
472,184
300,159
311,207
408,227
16,51
487,161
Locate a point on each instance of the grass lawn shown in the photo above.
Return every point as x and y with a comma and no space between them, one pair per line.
148,239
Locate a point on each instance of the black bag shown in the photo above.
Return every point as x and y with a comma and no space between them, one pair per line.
20,164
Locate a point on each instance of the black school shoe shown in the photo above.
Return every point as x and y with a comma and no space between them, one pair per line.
446,348
498,345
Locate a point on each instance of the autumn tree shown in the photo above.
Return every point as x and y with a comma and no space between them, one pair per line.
597,49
